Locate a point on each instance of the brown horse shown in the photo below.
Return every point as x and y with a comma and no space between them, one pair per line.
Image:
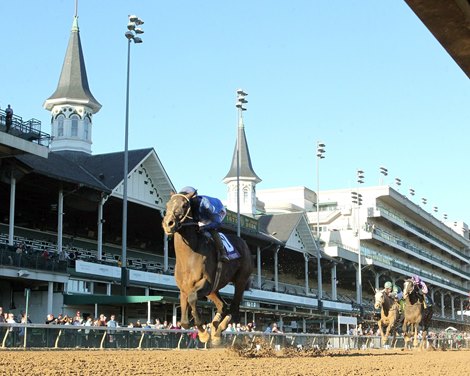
198,274
389,315
415,314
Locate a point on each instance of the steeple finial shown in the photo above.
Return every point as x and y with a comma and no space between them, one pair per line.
76,8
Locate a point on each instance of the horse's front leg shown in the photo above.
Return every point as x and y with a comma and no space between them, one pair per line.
387,333
380,324
184,310
415,341
203,334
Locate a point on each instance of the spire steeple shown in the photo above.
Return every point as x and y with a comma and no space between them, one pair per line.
72,104
247,176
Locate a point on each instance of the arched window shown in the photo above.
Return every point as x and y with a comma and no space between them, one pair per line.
60,126
245,195
86,128
74,131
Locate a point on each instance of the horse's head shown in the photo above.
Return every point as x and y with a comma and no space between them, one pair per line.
178,209
408,288
378,298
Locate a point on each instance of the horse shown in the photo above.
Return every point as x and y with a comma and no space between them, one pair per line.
415,313
199,274
389,314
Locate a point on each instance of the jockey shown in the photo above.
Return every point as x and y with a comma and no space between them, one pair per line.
209,212
393,291
388,289
423,289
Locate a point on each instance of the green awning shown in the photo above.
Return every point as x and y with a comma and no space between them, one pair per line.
106,299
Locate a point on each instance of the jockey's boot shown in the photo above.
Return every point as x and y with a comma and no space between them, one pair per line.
222,256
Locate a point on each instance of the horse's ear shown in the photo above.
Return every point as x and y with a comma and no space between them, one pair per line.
172,193
191,195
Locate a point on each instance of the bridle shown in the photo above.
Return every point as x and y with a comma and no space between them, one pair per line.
180,223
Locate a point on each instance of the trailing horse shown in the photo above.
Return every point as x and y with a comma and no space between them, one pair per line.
198,274
389,315
415,314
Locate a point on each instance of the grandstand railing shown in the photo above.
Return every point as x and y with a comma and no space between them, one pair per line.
31,260
29,130
100,337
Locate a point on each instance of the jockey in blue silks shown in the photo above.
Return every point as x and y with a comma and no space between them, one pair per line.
209,212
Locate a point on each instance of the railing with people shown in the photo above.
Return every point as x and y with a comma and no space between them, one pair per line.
29,129
31,259
101,337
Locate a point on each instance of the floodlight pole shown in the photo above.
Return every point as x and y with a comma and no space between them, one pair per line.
130,35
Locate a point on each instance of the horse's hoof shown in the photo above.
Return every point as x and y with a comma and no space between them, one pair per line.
204,337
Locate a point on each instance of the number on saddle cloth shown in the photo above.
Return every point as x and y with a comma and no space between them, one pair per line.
232,253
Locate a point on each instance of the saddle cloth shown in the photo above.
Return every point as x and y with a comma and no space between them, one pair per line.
232,253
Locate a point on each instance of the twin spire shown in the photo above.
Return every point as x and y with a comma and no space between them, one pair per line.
72,105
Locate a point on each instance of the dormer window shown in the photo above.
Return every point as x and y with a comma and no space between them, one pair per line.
60,126
86,131
74,130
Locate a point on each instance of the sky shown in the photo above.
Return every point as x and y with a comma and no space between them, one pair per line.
365,77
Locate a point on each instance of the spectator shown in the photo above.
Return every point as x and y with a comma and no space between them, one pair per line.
50,319
275,328
22,330
9,118
193,339
77,320
88,338
111,333
102,320
13,331
158,324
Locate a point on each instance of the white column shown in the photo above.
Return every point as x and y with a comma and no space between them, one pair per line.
100,229
60,220
108,289
461,308
358,284
304,325
452,306
334,280
442,304
165,252
306,273
276,270
11,223
258,265
175,311
149,305
377,281
50,296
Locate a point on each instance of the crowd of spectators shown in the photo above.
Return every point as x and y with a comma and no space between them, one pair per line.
86,336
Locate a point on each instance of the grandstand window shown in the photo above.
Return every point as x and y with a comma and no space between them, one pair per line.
83,287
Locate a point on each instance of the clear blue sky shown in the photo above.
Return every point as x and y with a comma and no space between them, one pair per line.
365,77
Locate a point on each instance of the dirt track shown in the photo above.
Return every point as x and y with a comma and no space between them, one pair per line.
228,363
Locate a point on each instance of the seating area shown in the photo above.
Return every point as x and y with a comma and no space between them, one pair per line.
73,252
81,249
